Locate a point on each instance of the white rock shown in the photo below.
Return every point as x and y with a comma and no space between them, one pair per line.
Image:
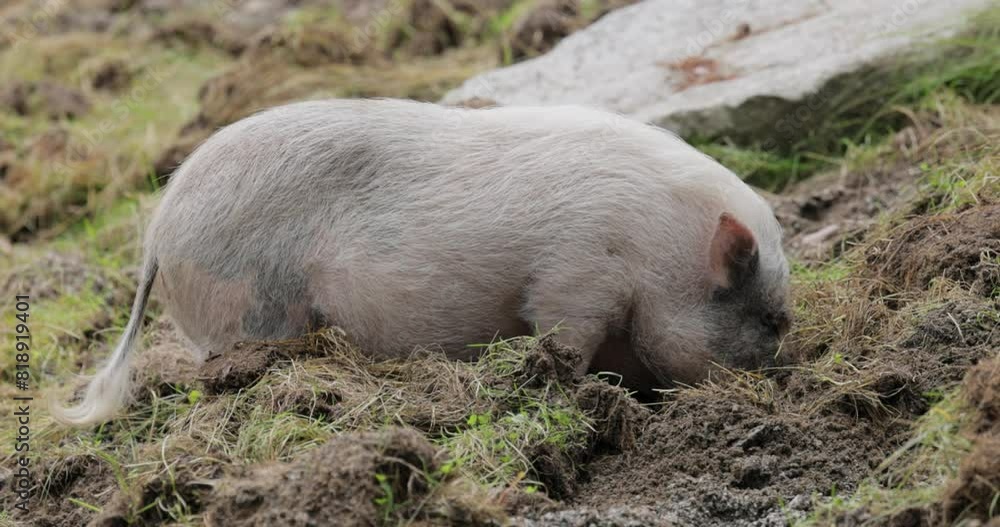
737,67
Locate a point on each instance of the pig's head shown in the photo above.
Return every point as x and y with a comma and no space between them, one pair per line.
737,313
747,289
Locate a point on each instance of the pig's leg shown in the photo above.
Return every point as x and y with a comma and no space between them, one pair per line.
582,306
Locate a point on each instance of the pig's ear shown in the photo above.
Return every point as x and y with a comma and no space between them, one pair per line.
733,254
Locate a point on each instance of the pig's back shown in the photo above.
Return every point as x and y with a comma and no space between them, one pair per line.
358,205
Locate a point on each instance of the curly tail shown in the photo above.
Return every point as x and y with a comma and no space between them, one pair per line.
109,389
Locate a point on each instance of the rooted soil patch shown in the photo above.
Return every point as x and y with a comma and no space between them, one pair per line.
58,480
973,493
706,460
618,419
316,47
590,517
982,389
819,212
431,27
964,247
549,361
247,362
345,482
51,99
55,274
112,75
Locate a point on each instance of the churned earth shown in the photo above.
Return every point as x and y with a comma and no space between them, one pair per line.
885,413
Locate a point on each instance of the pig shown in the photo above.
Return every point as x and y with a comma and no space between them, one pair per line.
413,225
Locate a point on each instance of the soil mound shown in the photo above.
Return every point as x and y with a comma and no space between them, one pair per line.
963,247
710,460
51,99
431,27
982,388
247,362
345,482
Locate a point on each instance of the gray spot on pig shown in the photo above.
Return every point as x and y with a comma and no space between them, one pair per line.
282,304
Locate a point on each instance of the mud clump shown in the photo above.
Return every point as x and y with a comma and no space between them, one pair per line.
431,27
353,479
549,361
150,499
198,33
973,493
315,47
963,247
14,97
982,389
970,497
247,362
50,99
112,76
618,418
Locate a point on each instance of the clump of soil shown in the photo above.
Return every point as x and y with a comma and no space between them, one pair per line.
353,479
194,32
111,75
56,274
50,144
186,485
974,493
964,247
618,419
970,496
549,361
247,362
430,27
310,47
58,479
982,389
53,100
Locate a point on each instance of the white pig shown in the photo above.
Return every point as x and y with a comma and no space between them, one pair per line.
414,225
